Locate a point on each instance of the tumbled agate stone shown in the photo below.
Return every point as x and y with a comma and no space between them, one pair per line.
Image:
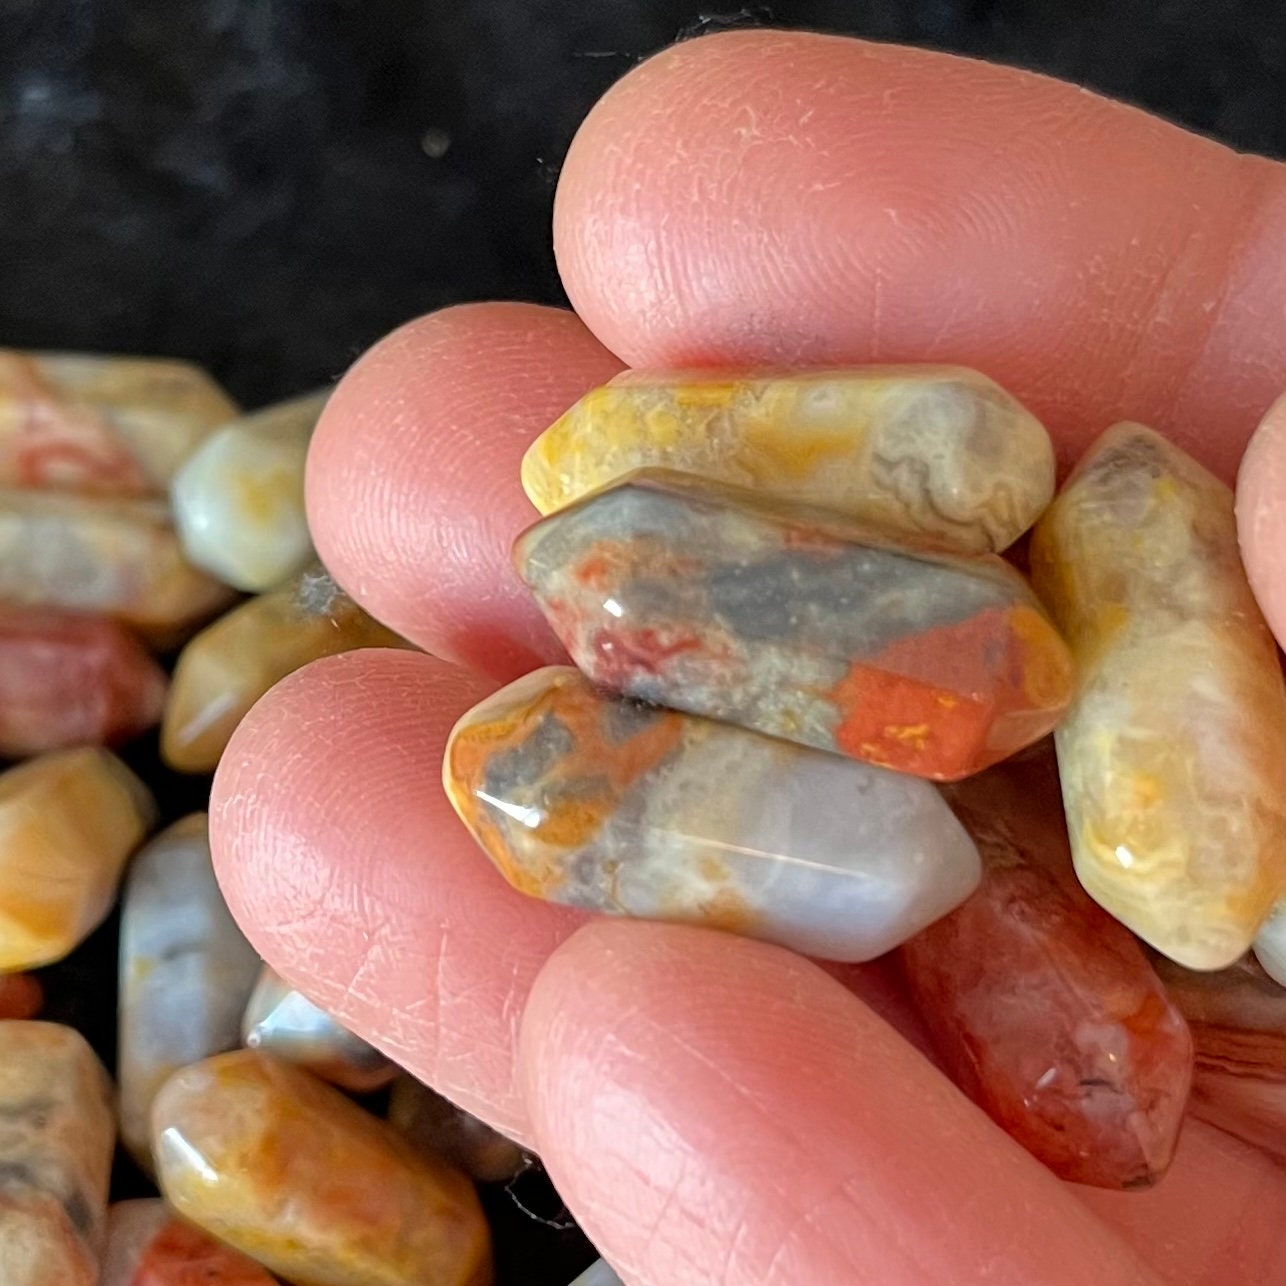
272,1161
239,498
68,679
68,821
1173,757
147,1245
431,1122
1238,1020
185,972
598,1274
56,1137
117,557
935,451
1270,944
608,804
794,623
1042,1007
280,1021
105,425
231,663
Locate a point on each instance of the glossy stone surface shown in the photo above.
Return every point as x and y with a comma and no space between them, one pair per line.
598,1274
278,1020
104,555
239,498
433,1123
230,664
793,623
289,1171
68,821
56,1136
105,425
1173,757
602,803
68,679
21,995
147,1245
935,451
1043,1008
1238,1020
185,972
1270,944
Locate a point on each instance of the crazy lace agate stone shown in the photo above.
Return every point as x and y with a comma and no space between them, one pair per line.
936,451
67,679
1173,756
230,664
102,554
1042,1007
607,804
1270,944
794,623
280,1021
68,822
56,1137
429,1121
1238,1020
239,498
147,1245
281,1166
185,972
102,425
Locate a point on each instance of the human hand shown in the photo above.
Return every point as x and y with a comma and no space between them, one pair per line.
714,1110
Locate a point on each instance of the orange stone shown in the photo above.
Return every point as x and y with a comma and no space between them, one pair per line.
69,680
1042,1007
147,1245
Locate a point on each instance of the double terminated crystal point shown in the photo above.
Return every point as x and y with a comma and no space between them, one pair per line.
599,802
1173,757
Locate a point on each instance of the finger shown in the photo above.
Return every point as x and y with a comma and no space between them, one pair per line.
346,868
1216,1219
771,196
413,490
721,1113
1261,516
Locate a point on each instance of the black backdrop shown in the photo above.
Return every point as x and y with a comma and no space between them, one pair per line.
254,183
262,186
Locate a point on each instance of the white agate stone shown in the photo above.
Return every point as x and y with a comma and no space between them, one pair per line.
185,972
239,498
1270,945
598,1274
606,804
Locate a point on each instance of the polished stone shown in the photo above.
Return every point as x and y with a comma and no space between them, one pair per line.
286,1169
598,1274
1173,757
105,425
68,821
433,1123
227,667
56,1136
1238,1020
147,1245
278,1020
935,451
1044,1009
603,803
21,995
185,972
797,624
239,498
67,679
1270,944
101,554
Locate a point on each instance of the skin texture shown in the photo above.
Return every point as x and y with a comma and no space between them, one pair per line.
856,203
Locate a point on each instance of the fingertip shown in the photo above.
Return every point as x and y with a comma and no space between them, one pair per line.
1261,515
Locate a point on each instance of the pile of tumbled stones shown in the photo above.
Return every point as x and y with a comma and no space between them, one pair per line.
811,704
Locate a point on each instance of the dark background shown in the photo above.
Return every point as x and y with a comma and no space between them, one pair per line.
255,183
267,186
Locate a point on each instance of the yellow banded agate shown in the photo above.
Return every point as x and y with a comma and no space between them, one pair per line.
937,451
1173,756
